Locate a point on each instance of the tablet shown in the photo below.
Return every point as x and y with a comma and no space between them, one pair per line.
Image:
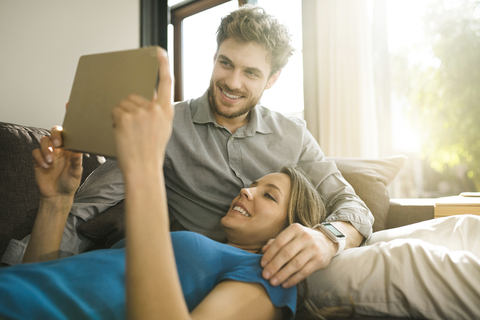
101,82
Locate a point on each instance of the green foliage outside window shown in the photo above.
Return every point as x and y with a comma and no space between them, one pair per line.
443,97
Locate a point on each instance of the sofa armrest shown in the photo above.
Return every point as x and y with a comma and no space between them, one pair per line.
407,211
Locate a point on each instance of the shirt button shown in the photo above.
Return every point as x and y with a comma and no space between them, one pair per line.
232,138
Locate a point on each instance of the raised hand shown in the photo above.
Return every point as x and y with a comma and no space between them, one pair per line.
142,128
57,172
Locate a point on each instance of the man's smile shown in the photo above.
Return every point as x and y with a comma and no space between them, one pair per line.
231,97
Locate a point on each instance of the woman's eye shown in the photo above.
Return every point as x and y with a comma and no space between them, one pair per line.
269,196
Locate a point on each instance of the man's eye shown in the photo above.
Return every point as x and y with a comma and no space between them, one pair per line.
269,196
225,63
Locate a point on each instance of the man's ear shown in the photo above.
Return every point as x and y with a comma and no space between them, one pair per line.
215,57
273,79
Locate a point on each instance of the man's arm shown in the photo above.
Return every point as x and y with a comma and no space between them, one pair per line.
354,238
299,251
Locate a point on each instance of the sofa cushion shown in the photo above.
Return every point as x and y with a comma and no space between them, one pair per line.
370,178
19,192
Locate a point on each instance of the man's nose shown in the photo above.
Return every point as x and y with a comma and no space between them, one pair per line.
233,81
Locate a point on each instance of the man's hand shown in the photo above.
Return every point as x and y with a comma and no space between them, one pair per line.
296,253
299,251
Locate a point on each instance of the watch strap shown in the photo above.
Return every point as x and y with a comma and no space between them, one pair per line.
341,241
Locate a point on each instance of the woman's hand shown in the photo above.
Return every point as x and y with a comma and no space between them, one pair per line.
142,128
57,172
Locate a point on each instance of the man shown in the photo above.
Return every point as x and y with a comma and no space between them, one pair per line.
225,140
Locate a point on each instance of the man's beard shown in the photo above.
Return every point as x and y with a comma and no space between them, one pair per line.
212,97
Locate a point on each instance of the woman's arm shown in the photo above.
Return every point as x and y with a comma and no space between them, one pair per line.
142,130
57,173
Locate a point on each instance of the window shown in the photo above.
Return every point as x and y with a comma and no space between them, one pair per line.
286,96
434,46
199,46
194,21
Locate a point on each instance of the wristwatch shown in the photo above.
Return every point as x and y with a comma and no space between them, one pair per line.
333,234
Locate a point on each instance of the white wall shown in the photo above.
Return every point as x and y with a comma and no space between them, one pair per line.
40,44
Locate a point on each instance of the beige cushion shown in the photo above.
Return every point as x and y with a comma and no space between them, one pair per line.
370,178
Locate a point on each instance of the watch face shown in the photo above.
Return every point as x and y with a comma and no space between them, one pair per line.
334,230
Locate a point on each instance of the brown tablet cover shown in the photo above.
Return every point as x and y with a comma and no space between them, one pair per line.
101,82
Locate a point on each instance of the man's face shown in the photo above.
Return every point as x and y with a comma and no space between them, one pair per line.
240,75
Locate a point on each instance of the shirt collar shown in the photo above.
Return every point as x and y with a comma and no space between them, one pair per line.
204,114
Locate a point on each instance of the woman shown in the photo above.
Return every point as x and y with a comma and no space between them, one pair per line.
213,281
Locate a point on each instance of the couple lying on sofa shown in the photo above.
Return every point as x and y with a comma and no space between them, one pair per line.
172,275
427,270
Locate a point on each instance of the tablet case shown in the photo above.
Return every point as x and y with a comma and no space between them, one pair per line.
101,82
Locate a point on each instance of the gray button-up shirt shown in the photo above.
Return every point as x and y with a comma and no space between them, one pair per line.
206,166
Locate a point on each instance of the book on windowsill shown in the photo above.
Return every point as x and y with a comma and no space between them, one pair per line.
462,204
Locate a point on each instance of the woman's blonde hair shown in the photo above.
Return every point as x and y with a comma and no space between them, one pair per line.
306,207
251,23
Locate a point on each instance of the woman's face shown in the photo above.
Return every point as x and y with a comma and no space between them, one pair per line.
258,213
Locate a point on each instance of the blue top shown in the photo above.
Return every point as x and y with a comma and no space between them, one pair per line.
92,285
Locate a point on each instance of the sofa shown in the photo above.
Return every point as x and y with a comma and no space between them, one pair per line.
19,194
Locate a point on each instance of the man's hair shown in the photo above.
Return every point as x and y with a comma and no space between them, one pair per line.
252,23
305,206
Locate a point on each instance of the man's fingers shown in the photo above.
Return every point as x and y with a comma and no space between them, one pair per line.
295,279
275,246
294,266
265,247
164,90
283,256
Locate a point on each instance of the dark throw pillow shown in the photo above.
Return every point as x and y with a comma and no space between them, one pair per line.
107,228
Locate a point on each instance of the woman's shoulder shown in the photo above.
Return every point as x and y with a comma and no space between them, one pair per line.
199,257
202,244
219,257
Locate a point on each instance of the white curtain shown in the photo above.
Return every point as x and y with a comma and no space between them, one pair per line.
340,107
